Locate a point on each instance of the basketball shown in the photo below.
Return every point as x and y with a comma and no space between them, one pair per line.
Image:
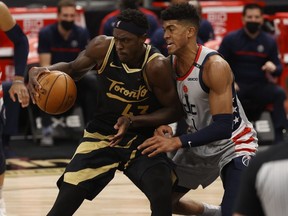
58,92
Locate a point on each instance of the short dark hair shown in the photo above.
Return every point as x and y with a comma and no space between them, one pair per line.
185,12
134,16
65,3
252,6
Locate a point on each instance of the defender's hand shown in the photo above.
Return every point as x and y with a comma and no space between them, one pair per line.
158,144
19,89
164,130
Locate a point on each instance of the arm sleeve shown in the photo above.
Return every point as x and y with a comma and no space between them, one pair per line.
21,49
220,128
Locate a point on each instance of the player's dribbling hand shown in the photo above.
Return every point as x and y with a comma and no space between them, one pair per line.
122,126
33,84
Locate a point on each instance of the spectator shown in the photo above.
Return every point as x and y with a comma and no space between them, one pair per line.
206,31
18,91
253,57
219,139
106,27
63,41
263,188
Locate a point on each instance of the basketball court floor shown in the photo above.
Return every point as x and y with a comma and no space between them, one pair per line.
30,185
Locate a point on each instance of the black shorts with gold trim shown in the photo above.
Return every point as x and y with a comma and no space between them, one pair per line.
94,163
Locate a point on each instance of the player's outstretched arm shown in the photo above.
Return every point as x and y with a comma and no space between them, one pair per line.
86,60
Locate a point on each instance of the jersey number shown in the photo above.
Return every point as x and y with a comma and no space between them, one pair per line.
142,110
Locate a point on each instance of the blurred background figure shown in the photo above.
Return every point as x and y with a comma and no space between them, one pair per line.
253,57
17,89
106,26
63,41
263,188
206,31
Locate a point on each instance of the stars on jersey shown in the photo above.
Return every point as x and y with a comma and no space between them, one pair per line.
236,115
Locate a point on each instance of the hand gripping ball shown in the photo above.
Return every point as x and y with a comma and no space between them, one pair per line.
58,92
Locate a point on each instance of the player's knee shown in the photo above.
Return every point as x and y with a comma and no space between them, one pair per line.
157,184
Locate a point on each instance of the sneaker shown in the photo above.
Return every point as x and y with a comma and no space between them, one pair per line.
211,210
47,140
2,208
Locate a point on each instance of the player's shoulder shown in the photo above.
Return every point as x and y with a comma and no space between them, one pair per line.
155,55
101,39
215,61
158,64
99,45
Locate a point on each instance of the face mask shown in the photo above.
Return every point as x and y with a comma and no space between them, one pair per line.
252,27
67,25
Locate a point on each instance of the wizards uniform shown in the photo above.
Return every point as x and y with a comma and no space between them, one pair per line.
124,91
201,165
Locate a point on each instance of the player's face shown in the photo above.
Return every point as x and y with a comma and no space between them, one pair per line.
177,34
127,45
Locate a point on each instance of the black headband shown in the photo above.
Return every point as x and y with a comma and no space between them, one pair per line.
130,27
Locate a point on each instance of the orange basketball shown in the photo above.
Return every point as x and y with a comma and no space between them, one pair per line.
58,92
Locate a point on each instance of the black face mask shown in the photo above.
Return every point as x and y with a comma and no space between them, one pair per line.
253,27
67,25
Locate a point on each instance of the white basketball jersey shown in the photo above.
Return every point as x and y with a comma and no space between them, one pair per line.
205,162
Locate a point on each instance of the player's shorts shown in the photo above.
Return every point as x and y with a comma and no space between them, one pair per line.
229,173
94,163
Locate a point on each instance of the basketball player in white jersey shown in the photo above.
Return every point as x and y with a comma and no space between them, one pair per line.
219,140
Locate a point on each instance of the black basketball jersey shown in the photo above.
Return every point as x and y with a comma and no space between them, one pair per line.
122,91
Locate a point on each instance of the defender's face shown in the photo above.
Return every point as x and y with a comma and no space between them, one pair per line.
127,45
176,35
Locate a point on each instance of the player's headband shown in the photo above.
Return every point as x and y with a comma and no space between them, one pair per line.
130,27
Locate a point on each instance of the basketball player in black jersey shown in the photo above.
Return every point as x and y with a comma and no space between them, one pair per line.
136,93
